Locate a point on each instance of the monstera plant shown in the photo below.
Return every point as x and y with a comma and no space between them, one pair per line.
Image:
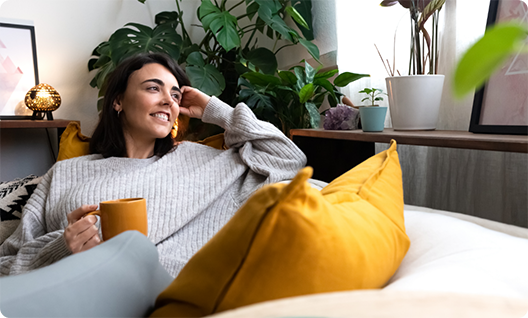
228,49
292,98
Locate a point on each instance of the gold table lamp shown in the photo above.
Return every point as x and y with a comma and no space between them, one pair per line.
42,99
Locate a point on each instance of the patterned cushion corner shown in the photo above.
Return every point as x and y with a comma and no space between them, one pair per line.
13,197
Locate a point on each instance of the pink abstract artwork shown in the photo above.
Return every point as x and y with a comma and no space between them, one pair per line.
10,76
18,71
506,94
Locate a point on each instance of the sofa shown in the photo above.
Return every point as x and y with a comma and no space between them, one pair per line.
457,266
349,248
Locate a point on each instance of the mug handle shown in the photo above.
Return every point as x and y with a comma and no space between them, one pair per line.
96,212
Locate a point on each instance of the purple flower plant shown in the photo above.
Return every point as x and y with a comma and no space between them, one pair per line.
341,117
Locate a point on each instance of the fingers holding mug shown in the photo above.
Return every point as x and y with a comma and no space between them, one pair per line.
81,233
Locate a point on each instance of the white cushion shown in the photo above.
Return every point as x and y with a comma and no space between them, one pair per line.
452,255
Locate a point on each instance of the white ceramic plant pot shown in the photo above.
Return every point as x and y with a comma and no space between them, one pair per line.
414,101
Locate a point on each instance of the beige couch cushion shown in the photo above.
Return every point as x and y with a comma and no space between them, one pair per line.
385,304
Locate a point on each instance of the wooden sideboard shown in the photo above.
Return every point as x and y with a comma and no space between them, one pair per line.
347,148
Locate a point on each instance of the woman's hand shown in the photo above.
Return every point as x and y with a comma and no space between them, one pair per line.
193,102
81,234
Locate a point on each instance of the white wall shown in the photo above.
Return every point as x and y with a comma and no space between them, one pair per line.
67,31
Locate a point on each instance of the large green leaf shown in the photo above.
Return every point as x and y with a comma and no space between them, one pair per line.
312,48
264,59
487,55
346,78
304,7
310,72
306,93
327,74
128,41
204,77
301,77
222,23
207,12
297,17
225,29
268,12
313,112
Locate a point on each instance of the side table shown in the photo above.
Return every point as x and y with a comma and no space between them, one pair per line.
59,124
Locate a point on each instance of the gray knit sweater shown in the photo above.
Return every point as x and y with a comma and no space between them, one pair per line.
191,192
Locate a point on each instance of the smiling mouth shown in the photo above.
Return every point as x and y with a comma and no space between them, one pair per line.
161,116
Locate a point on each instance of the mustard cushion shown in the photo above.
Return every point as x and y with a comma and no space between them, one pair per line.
290,240
74,144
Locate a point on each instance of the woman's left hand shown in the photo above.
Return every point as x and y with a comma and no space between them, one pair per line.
193,102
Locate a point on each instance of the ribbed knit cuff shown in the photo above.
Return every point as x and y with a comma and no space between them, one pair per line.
217,112
58,249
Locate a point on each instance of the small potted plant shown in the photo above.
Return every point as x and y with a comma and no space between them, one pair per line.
372,116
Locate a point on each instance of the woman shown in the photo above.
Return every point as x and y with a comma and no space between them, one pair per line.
191,190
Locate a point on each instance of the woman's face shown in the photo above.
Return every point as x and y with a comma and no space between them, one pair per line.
150,104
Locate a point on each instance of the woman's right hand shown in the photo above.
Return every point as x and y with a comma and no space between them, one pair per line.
81,234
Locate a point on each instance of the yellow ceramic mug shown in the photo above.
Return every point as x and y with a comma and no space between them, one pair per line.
122,215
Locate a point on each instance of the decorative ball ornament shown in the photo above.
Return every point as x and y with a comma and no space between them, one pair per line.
42,99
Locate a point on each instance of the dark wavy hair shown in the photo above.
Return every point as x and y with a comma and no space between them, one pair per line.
108,138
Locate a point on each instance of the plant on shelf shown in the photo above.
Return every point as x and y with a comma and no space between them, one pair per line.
292,98
424,44
487,55
373,95
372,116
228,49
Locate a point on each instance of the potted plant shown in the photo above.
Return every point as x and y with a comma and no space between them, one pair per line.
292,98
414,100
372,116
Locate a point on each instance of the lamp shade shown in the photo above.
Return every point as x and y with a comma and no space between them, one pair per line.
42,98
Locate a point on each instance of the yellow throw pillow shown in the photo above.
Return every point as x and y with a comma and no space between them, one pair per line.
290,240
215,141
73,143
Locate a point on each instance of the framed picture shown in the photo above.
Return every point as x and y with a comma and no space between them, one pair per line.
18,69
501,105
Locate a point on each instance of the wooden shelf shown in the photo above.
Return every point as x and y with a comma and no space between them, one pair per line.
433,138
26,123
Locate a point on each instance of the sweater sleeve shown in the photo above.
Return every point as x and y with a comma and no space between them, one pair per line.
261,146
31,246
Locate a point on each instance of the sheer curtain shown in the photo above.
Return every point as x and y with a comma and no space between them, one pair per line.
483,183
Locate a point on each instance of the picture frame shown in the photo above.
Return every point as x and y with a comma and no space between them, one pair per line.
18,67
501,105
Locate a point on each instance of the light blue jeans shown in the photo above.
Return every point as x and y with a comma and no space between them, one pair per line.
119,278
